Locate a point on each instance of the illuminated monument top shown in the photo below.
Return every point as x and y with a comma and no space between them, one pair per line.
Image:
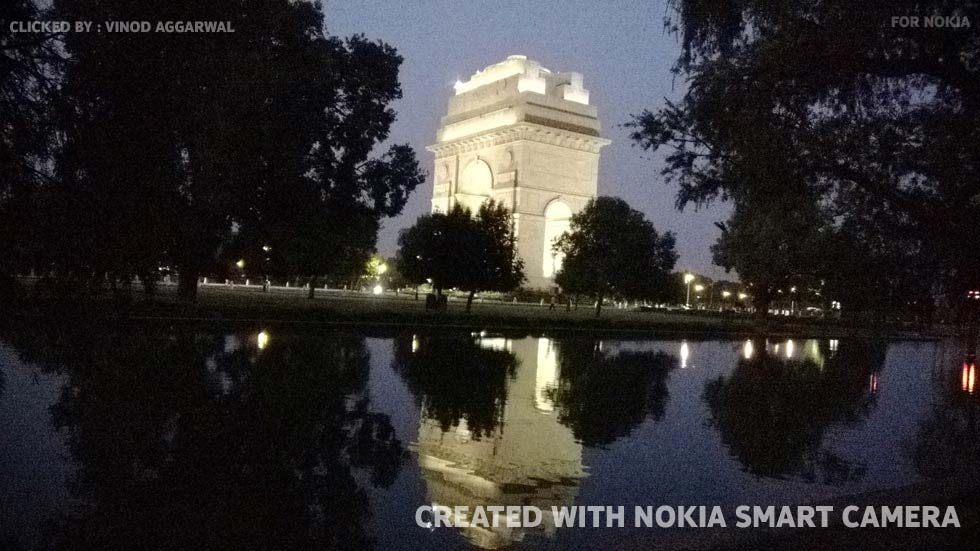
527,138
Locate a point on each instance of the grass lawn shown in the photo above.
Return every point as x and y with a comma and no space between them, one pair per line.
219,303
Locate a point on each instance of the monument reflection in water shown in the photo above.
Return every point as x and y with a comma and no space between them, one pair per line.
508,426
170,438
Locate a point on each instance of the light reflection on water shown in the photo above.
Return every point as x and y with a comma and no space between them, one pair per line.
334,440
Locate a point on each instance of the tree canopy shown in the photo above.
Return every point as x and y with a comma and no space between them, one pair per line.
459,250
173,149
612,250
874,121
26,86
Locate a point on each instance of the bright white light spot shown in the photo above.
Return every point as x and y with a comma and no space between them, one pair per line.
685,354
262,340
378,289
747,350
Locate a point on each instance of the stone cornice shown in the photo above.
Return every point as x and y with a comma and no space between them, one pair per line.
517,132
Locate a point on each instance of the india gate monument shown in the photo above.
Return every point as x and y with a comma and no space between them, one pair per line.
527,138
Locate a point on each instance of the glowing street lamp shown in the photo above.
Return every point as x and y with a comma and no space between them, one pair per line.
698,288
688,278
240,264
726,294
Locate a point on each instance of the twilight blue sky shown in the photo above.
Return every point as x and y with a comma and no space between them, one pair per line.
621,49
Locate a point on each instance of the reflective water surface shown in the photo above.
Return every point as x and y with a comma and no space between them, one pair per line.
264,439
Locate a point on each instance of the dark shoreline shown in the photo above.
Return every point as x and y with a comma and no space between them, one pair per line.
393,315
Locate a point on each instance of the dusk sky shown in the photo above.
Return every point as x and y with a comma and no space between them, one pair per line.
621,49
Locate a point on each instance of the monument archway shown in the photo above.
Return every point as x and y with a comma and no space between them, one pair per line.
475,185
557,220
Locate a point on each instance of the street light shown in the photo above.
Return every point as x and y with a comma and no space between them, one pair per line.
698,288
726,294
688,278
240,264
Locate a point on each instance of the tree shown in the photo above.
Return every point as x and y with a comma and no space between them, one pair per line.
603,397
498,266
774,244
476,392
164,423
433,249
613,250
772,412
26,83
427,251
174,141
876,122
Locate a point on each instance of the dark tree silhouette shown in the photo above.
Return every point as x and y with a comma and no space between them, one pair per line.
176,145
772,241
189,440
453,378
498,266
772,413
875,121
612,250
26,83
459,250
603,397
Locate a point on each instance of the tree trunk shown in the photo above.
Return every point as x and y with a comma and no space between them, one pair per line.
416,292
187,284
598,305
310,295
469,301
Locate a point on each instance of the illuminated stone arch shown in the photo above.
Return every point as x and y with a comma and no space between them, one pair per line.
475,185
557,220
